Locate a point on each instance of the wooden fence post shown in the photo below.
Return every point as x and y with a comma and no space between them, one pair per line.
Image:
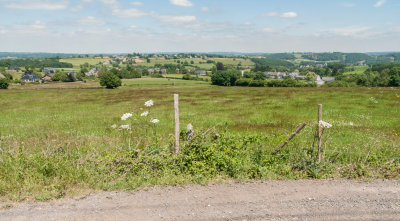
319,131
177,130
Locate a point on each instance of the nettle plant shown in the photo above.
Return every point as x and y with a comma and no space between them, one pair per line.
138,124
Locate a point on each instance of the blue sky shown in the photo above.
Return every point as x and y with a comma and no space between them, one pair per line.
116,26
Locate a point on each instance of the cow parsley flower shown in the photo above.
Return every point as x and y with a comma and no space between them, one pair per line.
154,121
114,126
125,126
324,124
126,116
149,103
189,127
144,114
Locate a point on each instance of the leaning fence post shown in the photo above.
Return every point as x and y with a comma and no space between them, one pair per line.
177,130
319,131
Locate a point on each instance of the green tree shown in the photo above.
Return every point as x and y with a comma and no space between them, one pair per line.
220,66
3,83
259,76
109,80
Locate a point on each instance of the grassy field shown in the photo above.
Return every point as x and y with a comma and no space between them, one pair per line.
76,62
246,63
357,70
56,139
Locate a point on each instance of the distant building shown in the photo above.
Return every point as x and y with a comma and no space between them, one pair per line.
200,73
29,77
48,70
2,76
94,72
163,71
276,75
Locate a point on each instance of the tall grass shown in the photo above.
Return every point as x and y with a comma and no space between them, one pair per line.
57,141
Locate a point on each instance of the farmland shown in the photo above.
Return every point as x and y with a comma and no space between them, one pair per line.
58,140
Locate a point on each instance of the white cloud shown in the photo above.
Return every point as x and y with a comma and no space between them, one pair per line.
271,14
176,18
355,32
132,27
34,27
129,13
282,15
90,20
270,30
379,3
184,3
347,4
288,15
137,3
205,9
38,5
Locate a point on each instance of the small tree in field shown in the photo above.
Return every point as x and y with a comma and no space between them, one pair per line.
3,83
109,80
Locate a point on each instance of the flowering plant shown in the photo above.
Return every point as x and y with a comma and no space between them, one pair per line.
136,123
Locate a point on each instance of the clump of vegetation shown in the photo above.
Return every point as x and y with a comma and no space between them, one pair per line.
3,83
109,80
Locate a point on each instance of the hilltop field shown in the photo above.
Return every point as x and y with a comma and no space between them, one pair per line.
57,138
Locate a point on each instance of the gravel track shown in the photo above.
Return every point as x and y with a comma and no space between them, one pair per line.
270,200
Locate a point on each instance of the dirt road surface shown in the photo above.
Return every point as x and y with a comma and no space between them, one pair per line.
270,200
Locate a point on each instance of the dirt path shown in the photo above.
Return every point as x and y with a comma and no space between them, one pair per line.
271,200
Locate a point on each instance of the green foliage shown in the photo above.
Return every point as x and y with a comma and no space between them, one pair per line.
225,78
272,62
3,83
35,63
109,80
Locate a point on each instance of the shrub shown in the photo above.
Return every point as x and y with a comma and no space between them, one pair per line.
339,84
110,80
257,83
243,82
3,83
225,78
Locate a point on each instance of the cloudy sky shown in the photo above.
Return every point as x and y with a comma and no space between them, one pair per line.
120,26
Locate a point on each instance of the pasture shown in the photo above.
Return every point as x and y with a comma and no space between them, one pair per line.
76,62
56,139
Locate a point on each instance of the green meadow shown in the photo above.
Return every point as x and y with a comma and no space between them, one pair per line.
57,140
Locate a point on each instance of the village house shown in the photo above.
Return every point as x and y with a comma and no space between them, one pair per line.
48,70
321,81
2,76
150,70
297,76
163,71
200,73
94,72
48,76
275,75
30,77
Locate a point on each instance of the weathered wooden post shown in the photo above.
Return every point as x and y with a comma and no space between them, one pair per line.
177,130
319,131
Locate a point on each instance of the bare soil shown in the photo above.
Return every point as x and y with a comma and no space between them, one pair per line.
270,200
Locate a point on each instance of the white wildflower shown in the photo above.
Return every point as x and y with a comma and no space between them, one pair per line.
373,100
114,126
154,121
144,114
351,124
125,126
324,124
126,116
149,103
189,127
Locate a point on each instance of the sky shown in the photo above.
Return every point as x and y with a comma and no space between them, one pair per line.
270,26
